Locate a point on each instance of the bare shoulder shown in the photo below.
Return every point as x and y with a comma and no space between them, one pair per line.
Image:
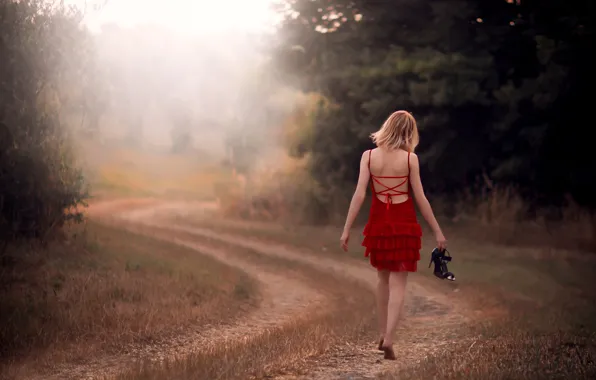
364,158
366,154
414,160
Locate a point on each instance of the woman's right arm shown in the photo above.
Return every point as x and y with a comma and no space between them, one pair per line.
423,203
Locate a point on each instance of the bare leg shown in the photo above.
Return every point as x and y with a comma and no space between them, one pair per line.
397,287
382,301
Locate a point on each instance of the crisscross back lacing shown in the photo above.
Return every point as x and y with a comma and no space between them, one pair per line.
389,191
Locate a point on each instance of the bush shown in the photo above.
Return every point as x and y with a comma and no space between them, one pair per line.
40,187
285,193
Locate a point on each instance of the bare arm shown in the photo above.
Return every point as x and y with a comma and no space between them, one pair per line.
422,201
359,194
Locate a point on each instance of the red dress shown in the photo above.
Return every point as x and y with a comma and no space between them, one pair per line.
392,236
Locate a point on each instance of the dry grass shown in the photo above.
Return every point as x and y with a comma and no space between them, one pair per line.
538,275
501,216
347,317
541,303
273,352
517,355
104,289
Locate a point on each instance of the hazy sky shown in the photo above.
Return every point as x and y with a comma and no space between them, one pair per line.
192,16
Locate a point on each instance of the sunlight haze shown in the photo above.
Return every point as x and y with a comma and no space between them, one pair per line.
190,16
161,60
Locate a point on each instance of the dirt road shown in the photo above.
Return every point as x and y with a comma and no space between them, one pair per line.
285,300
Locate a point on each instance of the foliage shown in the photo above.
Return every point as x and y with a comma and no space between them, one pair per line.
298,130
285,193
495,85
40,185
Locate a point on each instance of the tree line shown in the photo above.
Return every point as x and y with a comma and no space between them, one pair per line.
500,88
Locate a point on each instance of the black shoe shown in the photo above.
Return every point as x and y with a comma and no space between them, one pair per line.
440,259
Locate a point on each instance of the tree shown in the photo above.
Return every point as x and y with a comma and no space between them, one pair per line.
384,57
39,182
544,94
483,78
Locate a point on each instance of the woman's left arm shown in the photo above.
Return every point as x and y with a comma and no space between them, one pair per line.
357,199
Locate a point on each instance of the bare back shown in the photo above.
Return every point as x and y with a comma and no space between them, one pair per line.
390,174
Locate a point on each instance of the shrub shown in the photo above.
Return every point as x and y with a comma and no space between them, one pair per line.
41,47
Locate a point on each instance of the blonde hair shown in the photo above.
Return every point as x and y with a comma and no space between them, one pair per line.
399,131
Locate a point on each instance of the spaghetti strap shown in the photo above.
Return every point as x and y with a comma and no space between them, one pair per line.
372,187
389,191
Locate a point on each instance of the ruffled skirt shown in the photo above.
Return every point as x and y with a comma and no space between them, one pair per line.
392,236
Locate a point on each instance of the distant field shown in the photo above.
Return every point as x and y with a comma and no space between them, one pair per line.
123,171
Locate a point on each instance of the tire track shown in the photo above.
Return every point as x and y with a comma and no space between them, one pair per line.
430,321
284,299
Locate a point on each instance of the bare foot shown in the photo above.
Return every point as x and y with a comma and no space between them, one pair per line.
388,350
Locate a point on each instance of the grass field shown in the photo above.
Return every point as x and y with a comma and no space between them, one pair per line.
535,308
543,302
104,289
347,317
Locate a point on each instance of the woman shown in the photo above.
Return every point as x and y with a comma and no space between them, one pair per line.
392,234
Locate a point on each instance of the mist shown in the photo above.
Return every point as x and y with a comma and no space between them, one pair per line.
156,92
